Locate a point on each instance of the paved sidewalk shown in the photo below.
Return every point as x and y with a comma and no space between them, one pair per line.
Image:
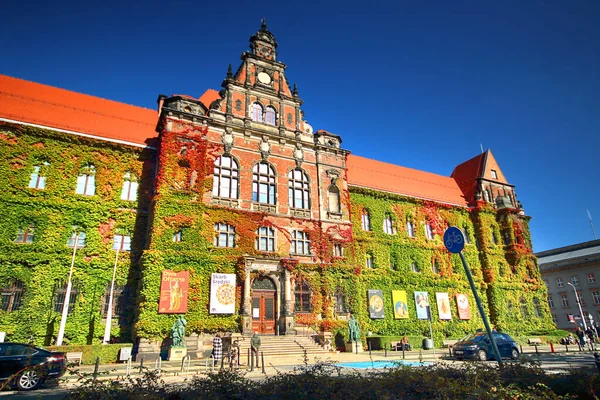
173,372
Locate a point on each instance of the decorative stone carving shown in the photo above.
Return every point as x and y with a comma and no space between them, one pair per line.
238,105
299,155
265,148
227,140
333,175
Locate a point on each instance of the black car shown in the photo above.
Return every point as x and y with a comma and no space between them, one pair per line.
27,367
479,347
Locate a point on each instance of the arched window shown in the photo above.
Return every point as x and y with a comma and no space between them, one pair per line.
12,296
86,181
225,178
263,183
435,267
523,307
369,260
333,196
388,225
366,221
257,112
302,295
265,239
130,187
299,189
414,267
38,178
270,116
410,229
60,294
224,235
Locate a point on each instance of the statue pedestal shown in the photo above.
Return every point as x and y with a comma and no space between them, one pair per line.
354,347
177,353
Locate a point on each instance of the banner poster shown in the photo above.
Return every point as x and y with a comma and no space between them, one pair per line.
173,292
422,304
222,293
376,304
443,305
464,310
400,307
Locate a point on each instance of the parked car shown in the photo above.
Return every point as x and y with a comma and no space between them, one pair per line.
27,366
479,347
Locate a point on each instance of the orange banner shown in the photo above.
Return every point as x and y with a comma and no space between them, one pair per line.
173,292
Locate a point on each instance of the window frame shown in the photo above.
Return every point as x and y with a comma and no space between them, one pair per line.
429,231
560,283
410,229
87,180
14,295
369,262
62,290
338,250
129,190
257,112
270,112
300,237
591,277
37,180
225,230
81,240
268,236
121,242
550,302
365,221
223,173
564,300
268,179
302,186
388,225
575,280
596,296
26,235
302,289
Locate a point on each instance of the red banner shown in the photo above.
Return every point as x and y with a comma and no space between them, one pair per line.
173,292
464,310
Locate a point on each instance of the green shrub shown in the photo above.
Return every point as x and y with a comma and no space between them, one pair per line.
108,353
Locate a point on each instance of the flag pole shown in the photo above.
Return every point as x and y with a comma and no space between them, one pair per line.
110,301
591,223
65,310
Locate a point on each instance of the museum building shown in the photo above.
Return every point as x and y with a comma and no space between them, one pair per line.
231,210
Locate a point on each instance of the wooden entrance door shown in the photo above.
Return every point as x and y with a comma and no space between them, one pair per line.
263,312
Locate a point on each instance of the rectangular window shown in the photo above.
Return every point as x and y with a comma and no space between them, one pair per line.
129,189
369,261
580,298
428,231
596,296
224,235
554,318
575,280
550,302
340,303
80,240
300,243
122,243
591,278
25,235
177,237
338,250
60,295
265,240
494,174
559,282
564,300
37,181
388,226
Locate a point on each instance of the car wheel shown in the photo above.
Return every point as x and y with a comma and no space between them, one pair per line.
482,355
29,380
514,354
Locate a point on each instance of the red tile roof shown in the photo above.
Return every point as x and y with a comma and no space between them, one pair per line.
466,175
208,97
378,175
49,106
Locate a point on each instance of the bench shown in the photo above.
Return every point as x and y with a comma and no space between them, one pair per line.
449,344
534,341
75,356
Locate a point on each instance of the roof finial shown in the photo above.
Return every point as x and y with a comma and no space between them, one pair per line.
229,72
295,92
263,24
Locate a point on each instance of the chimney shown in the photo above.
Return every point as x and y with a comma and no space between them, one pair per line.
160,101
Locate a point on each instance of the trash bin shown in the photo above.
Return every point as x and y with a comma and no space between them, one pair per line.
427,344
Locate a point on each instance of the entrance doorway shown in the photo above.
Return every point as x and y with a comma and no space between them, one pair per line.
263,306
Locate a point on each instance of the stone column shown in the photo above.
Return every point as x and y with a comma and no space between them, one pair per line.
290,324
247,300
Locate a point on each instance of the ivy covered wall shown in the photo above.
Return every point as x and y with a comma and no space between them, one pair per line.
51,213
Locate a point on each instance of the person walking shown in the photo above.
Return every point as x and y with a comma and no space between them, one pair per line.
255,346
217,351
581,336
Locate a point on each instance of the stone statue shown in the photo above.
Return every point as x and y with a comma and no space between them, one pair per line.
178,332
353,329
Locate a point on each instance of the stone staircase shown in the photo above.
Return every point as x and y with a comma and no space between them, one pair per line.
288,346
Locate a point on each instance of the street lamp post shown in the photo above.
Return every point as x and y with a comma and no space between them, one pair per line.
110,302
579,304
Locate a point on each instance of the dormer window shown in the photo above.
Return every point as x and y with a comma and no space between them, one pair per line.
257,112
494,174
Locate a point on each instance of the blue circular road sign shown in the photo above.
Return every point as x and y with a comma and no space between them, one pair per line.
454,240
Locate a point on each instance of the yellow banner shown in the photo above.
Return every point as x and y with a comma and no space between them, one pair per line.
400,306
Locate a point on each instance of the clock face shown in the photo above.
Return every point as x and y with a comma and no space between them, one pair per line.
263,77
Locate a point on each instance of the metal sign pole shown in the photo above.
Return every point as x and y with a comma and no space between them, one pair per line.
480,308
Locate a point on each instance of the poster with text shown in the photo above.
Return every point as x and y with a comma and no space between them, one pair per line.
173,292
375,304
422,304
464,310
443,305
400,304
222,293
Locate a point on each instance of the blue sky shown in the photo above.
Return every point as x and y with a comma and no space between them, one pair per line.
419,84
